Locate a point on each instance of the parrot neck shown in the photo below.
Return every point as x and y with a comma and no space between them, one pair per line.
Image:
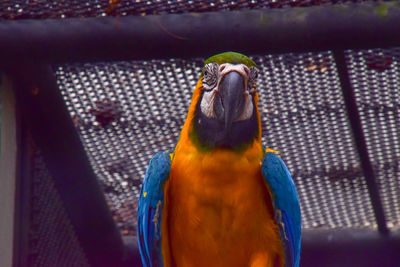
226,160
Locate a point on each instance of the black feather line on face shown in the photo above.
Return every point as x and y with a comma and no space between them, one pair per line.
208,133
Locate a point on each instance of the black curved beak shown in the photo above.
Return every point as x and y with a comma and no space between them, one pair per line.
229,102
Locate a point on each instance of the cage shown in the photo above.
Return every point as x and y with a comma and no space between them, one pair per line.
92,89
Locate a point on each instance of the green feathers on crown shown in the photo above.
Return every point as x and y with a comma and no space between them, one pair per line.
231,57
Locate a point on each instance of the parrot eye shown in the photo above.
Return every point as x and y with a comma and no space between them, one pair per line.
210,77
252,79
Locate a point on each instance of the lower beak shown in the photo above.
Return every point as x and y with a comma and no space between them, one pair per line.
229,101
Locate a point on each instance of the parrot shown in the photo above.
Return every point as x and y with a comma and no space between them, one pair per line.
220,198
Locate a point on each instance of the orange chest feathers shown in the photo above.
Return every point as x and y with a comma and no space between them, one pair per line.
219,212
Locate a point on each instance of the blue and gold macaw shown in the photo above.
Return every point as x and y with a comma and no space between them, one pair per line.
221,198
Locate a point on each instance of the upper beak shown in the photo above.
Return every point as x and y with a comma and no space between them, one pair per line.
229,101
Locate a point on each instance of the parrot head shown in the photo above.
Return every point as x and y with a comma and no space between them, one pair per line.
225,113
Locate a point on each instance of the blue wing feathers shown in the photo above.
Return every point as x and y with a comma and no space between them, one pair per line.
288,228
151,203
286,205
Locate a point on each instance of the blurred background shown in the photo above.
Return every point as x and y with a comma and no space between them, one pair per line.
91,90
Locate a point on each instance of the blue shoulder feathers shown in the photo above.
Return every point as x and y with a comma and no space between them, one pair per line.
151,203
286,206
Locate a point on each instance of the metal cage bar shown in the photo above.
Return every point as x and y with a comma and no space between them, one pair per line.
261,31
53,131
359,139
22,191
354,247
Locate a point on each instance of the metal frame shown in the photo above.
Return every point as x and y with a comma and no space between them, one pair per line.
51,127
22,191
359,140
353,247
31,46
297,29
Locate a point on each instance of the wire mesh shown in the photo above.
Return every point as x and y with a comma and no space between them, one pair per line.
304,117
375,76
39,9
128,111
52,240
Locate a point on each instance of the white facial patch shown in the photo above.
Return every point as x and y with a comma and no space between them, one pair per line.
207,104
207,101
248,107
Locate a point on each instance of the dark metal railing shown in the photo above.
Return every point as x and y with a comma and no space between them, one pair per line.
317,28
359,139
46,115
